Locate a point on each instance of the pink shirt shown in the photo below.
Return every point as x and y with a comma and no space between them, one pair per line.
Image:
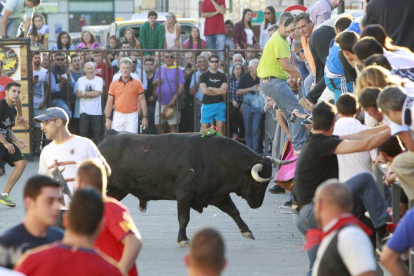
187,43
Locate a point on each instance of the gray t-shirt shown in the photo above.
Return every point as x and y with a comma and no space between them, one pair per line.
18,9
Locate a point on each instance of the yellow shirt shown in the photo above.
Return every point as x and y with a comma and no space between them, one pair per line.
269,65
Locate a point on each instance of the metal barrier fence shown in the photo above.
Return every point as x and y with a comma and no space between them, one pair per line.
86,55
380,171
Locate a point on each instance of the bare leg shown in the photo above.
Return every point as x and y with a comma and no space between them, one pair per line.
160,129
204,126
221,127
37,136
15,175
173,128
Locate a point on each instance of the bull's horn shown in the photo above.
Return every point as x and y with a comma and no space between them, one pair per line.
255,173
280,162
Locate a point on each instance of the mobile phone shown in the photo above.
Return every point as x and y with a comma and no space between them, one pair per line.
188,65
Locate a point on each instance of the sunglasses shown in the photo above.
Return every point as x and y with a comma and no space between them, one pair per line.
169,56
214,61
266,12
300,52
60,59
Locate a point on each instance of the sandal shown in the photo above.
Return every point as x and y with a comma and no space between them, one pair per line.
306,104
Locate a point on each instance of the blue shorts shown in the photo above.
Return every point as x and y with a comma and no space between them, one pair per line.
211,112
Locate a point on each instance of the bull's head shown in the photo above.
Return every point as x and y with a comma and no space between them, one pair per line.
256,189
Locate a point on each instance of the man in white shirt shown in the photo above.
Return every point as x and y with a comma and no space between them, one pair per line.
65,151
399,108
90,89
345,248
40,95
354,163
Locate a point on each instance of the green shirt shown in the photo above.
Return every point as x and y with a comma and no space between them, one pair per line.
151,38
269,66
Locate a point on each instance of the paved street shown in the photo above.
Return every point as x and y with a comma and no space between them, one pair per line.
276,250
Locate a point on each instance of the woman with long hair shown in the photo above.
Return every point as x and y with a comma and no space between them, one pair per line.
378,32
172,30
39,33
270,19
88,40
243,34
113,44
235,100
195,41
64,42
129,35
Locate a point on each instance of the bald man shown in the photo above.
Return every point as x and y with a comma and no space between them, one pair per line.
90,89
345,248
206,256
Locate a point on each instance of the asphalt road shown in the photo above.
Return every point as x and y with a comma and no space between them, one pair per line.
276,250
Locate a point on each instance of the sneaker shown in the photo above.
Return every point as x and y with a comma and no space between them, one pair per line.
6,200
277,190
288,203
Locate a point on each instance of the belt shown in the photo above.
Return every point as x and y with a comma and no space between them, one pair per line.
267,79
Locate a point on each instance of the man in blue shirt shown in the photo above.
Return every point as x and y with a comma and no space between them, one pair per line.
401,241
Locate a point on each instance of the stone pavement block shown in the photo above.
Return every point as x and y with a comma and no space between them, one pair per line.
276,250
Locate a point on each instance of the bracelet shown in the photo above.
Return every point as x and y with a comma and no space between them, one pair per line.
109,118
144,116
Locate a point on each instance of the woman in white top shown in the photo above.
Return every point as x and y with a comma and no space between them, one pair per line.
172,30
243,34
270,19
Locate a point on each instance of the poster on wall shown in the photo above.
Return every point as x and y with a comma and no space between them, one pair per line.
10,55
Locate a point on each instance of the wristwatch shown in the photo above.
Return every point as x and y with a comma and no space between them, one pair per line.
145,116
109,118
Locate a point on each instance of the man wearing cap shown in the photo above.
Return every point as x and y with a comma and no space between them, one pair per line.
66,149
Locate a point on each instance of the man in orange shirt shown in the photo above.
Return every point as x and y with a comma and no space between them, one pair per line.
126,92
120,238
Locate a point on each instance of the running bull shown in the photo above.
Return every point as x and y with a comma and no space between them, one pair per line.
195,171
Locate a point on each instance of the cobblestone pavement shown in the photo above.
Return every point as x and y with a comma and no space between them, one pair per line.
276,250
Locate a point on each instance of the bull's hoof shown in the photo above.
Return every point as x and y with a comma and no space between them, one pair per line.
184,243
248,235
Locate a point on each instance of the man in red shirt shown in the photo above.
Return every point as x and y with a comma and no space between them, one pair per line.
76,254
102,70
214,30
120,238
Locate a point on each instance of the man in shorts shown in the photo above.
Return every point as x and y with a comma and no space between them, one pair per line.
213,85
10,144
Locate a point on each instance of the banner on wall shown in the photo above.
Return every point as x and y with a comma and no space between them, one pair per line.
10,55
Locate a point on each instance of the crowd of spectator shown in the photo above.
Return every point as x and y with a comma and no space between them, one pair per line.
340,88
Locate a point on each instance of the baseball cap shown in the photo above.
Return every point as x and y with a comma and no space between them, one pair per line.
52,113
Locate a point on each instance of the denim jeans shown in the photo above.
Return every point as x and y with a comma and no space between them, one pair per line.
216,41
95,121
198,115
304,73
364,191
252,124
286,101
13,26
307,83
151,121
62,104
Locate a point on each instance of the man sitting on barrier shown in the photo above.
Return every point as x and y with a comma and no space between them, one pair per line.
13,15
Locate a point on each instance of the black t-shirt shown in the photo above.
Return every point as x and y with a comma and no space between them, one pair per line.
213,80
317,163
150,90
7,118
246,81
17,240
396,17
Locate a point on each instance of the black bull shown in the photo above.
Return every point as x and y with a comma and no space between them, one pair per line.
195,171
